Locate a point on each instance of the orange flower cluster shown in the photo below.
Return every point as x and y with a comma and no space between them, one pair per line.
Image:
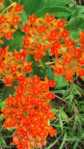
41,34
13,64
30,113
9,21
50,35
71,60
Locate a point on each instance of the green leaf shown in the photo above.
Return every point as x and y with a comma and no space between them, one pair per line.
31,6
37,70
57,2
30,58
76,23
79,10
60,81
23,17
75,34
2,142
7,3
63,115
16,42
6,91
58,11
2,103
49,73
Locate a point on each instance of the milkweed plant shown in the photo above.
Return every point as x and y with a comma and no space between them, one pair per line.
41,74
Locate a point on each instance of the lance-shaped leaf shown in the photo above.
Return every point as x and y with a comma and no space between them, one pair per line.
58,11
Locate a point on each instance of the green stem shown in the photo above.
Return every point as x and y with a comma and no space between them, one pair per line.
51,145
63,142
14,3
